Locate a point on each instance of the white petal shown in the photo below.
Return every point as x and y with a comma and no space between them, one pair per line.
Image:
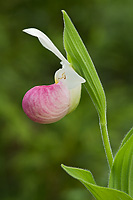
46,42
73,79
69,77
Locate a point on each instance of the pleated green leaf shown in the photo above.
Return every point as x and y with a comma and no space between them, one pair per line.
121,176
100,193
130,133
79,58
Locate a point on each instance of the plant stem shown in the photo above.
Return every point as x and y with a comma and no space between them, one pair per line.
106,143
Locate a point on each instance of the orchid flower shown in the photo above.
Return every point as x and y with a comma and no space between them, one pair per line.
49,103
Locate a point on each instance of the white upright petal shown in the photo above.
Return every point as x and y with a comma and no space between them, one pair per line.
46,42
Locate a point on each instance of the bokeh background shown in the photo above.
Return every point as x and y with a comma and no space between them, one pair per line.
31,153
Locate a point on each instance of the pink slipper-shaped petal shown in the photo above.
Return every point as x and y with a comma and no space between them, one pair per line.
47,103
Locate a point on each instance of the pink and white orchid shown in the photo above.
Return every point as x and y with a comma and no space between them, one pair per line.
49,103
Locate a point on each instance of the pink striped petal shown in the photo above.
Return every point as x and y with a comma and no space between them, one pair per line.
47,103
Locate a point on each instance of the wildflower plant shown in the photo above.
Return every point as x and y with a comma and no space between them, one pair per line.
48,104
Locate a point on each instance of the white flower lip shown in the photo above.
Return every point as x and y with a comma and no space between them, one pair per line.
73,78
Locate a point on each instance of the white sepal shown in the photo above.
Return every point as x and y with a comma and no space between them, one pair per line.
46,42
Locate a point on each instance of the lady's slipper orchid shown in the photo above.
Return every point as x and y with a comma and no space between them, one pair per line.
49,103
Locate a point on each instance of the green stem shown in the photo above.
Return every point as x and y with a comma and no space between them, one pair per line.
106,143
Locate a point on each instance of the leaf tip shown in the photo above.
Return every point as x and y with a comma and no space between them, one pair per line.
63,12
65,15
63,166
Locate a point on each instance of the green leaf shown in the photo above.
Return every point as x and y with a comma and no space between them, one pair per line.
82,63
131,178
100,193
82,174
130,133
121,176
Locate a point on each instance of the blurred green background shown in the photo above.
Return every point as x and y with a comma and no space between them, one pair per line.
31,153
